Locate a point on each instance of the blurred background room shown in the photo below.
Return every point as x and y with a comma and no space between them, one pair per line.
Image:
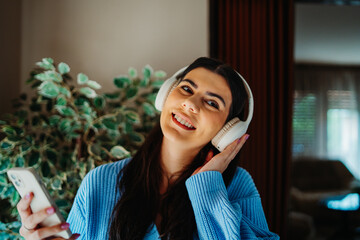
324,195
301,59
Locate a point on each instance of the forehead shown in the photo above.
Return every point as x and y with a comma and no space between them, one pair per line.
209,81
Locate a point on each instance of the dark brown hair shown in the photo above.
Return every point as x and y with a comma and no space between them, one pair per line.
139,181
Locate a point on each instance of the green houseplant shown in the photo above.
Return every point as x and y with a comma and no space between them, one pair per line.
66,130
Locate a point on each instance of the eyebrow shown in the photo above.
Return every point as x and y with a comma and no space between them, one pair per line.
207,93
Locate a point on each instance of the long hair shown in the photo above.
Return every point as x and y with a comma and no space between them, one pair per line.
139,181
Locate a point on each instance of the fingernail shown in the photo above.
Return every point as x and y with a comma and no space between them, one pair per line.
27,196
65,226
76,236
239,140
50,210
247,136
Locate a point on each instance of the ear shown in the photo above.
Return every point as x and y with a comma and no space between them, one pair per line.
166,89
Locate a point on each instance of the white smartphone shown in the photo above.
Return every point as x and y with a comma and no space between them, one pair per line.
27,180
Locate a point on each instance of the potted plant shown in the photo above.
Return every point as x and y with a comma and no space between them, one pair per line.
65,130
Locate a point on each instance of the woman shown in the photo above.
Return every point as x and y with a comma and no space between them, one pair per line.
178,185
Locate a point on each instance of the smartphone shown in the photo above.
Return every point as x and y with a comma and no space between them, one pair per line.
27,180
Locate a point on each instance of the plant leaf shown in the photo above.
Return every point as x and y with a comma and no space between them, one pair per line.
122,81
112,95
151,98
65,92
61,101
137,138
20,161
14,198
82,78
119,152
24,147
45,169
42,76
144,82
56,183
88,92
3,180
110,123
147,71
56,77
53,120
99,102
160,74
51,156
61,203
132,117
4,164
95,149
93,84
66,111
9,191
65,125
9,130
34,158
48,89
131,92
63,68
149,109
6,145
46,63
132,72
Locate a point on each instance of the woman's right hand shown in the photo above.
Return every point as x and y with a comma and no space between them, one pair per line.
30,221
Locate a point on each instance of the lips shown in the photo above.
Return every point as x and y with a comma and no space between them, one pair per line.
183,123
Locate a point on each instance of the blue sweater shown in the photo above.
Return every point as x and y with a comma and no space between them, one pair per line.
234,212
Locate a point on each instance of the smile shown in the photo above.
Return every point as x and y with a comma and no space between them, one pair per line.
182,122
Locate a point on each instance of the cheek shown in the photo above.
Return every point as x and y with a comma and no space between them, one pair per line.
171,100
215,122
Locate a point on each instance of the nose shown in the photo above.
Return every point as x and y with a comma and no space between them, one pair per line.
190,106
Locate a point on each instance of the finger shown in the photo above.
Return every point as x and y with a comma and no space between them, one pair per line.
240,144
243,139
45,232
34,219
23,205
73,237
24,232
234,148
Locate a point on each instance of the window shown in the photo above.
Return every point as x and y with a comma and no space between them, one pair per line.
326,122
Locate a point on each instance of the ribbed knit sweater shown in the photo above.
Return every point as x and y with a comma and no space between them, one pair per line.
234,212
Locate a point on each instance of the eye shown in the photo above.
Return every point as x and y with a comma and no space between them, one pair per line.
187,89
212,103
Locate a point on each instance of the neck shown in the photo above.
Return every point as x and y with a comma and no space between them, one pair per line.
174,158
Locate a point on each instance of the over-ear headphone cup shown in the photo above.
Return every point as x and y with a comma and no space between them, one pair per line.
233,130
164,92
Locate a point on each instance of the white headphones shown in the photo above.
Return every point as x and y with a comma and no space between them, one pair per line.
232,130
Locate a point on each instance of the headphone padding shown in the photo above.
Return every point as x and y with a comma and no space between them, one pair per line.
164,92
233,130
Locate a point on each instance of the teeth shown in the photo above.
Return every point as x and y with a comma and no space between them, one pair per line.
183,122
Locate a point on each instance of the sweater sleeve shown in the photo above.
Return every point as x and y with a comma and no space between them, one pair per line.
77,216
219,218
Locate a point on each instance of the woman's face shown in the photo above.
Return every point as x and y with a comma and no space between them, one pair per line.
196,109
